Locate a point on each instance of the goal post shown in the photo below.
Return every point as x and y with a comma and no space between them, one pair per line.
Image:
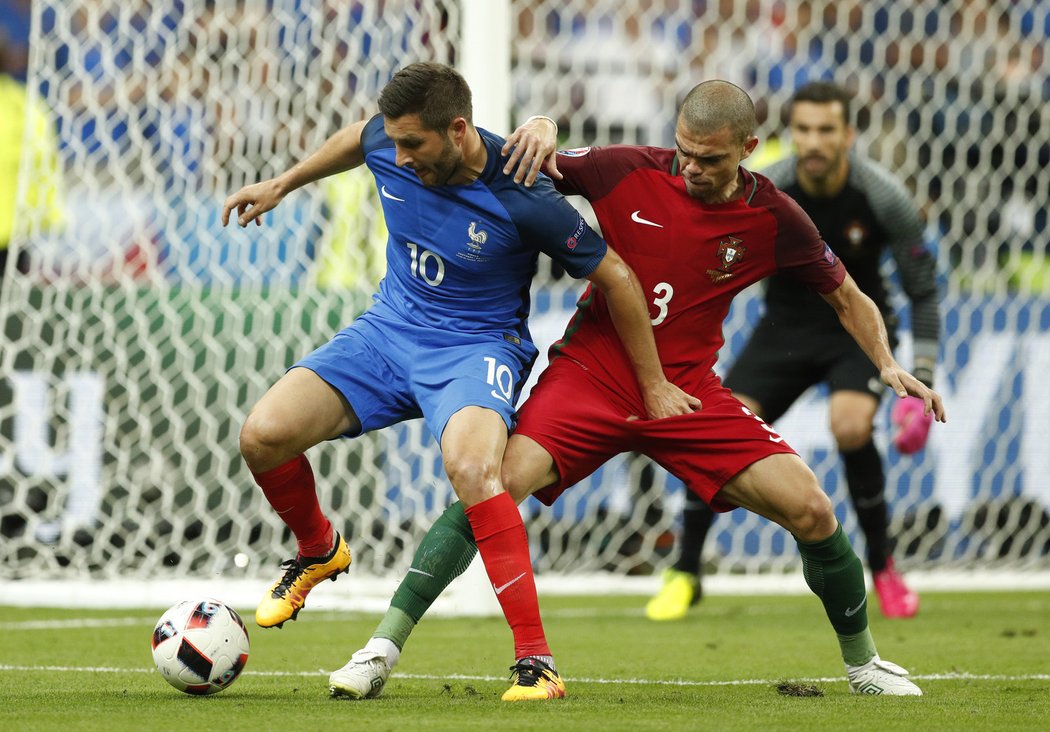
144,331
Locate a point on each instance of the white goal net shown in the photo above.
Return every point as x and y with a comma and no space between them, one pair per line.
143,331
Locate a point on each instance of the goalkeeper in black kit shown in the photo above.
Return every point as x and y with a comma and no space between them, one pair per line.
861,210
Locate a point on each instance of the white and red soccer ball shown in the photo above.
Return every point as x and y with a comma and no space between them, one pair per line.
200,646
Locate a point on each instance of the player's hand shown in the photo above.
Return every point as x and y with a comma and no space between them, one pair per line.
913,424
904,384
529,146
667,400
251,202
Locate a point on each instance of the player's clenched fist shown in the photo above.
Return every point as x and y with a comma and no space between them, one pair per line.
251,202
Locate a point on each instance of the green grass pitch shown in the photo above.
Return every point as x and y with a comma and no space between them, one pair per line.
982,659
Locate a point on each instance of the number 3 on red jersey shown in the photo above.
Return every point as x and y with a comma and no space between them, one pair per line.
664,292
773,436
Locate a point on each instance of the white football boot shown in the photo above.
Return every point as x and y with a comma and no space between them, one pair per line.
363,677
878,677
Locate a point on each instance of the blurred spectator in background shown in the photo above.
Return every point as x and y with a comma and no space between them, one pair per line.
619,64
25,123
353,252
790,58
971,78
15,16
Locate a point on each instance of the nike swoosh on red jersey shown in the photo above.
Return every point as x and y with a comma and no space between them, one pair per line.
639,220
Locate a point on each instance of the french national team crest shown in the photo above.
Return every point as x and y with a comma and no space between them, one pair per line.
731,251
477,238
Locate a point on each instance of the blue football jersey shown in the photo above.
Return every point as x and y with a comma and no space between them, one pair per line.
461,257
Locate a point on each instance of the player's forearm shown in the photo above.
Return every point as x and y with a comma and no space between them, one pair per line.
340,152
861,318
630,316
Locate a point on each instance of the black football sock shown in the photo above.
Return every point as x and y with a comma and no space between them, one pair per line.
697,518
867,487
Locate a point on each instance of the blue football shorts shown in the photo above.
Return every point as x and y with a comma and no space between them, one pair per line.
390,371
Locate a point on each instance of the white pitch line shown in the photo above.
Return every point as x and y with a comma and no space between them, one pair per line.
73,623
953,676
330,617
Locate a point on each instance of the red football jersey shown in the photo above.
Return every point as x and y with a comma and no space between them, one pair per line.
692,258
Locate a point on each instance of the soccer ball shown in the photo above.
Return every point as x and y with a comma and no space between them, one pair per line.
200,646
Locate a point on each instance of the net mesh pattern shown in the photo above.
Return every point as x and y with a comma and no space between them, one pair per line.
144,331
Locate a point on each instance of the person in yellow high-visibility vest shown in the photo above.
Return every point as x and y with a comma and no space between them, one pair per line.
29,153
353,253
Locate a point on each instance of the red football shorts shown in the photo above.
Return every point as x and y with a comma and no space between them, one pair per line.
583,423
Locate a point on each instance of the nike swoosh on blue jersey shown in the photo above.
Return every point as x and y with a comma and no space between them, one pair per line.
390,195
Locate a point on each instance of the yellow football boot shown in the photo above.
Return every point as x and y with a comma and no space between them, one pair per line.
288,596
681,590
534,681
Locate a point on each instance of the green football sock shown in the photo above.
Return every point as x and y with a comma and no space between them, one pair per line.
444,554
835,574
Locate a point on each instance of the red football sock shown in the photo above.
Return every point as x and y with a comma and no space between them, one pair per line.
290,490
504,548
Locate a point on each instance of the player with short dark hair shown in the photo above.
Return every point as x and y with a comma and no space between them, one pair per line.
446,339
862,211
697,228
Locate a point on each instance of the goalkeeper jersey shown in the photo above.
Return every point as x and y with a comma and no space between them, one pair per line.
873,213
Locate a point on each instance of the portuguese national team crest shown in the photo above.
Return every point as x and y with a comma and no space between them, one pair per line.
731,251
856,234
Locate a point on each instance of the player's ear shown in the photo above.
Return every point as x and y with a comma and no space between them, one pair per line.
457,129
749,146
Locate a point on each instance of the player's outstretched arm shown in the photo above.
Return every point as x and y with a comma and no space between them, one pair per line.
630,315
862,319
533,143
342,151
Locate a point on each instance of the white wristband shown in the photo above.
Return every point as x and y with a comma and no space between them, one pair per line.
542,116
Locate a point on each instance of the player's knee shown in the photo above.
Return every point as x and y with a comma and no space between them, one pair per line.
752,404
261,442
513,483
526,468
474,477
851,434
519,480
813,517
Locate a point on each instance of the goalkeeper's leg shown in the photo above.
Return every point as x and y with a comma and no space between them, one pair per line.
851,415
681,588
